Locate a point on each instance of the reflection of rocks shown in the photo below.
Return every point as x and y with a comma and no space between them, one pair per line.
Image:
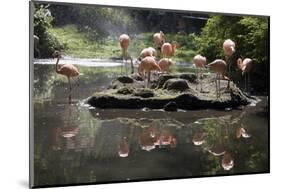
171,106
129,92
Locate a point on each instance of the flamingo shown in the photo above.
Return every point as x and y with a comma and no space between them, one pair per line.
227,162
147,65
245,66
124,41
228,48
165,64
150,51
200,63
68,70
168,49
198,138
158,39
124,147
220,67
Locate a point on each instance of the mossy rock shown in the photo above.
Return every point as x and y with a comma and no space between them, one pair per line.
191,77
125,91
136,77
144,93
163,78
125,79
176,85
172,92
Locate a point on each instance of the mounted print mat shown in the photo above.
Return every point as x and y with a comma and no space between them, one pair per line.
121,94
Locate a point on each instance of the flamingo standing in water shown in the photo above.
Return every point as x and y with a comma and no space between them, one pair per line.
168,49
245,66
200,63
124,41
68,70
158,39
147,65
220,67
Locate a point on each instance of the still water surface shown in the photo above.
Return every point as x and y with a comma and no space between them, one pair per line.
75,143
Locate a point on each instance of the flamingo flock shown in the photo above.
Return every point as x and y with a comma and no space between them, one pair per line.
149,62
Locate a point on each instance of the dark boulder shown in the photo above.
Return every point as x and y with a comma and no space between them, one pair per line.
125,79
176,85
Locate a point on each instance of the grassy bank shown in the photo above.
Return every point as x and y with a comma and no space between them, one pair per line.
78,44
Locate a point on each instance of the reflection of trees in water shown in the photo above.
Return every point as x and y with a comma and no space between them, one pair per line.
58,147
42,81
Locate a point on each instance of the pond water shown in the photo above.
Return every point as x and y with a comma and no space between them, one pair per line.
75,143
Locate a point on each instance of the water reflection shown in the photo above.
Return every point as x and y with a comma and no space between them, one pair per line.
75,143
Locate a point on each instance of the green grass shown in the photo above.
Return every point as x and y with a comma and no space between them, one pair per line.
77,44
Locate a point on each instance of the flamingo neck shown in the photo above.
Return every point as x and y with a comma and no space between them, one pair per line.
57,66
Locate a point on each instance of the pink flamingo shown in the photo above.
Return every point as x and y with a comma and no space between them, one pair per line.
150,51
228,48
124,41
147,65
68,70
168,49
220,67
200,63
165,64
158,39
245,66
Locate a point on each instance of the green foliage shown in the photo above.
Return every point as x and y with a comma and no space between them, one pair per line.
96,22
251,37
42,22
249,33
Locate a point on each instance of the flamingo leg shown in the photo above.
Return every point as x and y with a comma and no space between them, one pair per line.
216,78
126,71
132,66
75,81
196,73
69,95
201,79
219,88
245,82
148,78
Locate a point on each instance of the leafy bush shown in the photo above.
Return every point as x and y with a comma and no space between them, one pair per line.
42,22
